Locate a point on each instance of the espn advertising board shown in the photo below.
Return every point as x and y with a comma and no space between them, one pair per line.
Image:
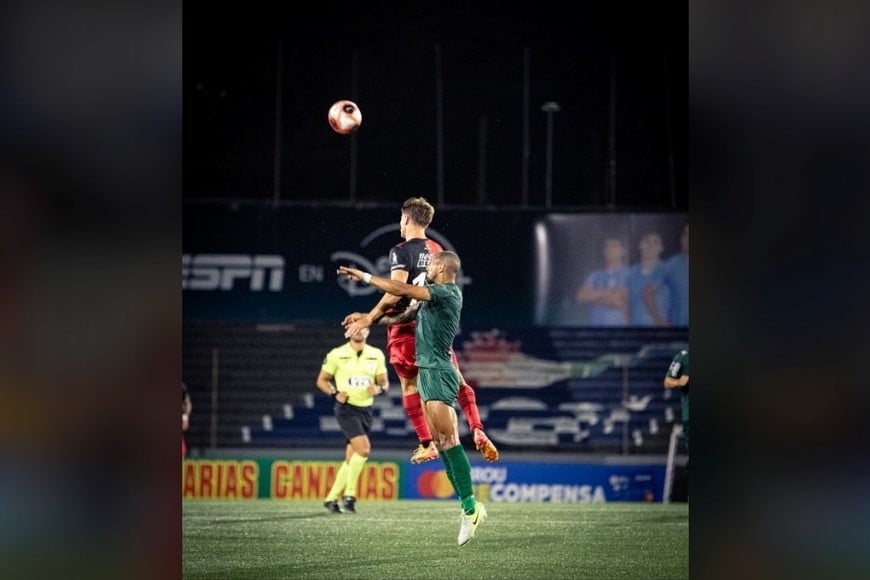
504,481
268,265
253,263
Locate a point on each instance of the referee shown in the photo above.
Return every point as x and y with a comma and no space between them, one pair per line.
352,374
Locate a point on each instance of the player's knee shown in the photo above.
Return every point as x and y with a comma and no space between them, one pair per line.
363,448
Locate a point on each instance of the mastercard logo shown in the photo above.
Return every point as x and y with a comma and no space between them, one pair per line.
434,484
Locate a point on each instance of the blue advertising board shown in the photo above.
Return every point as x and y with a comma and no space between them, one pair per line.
513,482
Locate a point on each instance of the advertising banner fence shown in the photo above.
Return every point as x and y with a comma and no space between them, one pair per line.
505,481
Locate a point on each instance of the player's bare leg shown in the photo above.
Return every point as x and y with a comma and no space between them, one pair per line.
425,450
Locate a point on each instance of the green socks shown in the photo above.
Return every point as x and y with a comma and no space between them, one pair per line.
459,473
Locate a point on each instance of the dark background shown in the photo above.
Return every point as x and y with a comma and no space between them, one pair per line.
92,143
383,56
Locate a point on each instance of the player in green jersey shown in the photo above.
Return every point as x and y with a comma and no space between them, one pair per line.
438,382
677,377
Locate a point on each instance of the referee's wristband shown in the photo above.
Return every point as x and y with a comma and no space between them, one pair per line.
367,278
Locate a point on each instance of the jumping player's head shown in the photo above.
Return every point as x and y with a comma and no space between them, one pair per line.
443,267
417,213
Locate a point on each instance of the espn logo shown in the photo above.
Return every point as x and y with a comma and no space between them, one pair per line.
223,271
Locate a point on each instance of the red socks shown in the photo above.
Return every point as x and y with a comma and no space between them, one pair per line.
414,409
468,404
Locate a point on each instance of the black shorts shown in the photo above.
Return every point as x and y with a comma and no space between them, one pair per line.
354,421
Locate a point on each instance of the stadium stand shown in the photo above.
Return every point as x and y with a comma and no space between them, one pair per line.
584,390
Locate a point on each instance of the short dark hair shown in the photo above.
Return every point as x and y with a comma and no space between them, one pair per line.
419,210
450,260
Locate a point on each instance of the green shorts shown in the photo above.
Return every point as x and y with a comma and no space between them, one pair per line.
438,385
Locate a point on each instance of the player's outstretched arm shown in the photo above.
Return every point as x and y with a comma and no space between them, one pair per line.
361,320
409,314
353,317
393,287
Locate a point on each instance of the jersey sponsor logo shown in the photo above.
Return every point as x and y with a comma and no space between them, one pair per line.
381,265
227,272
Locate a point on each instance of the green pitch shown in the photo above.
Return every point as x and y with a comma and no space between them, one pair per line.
417,539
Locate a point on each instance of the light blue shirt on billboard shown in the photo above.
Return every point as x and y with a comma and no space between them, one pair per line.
599,314
677,280
639,314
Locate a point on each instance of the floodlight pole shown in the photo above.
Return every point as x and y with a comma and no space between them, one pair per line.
549,108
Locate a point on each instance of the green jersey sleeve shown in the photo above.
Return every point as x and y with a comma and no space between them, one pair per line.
679,365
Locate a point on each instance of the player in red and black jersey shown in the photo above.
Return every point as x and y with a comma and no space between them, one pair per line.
408,263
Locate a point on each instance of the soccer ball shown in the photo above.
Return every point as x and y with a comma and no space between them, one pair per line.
344,117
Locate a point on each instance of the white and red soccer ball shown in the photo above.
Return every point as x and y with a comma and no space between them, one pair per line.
344,117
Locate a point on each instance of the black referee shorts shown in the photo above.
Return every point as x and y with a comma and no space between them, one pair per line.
354,421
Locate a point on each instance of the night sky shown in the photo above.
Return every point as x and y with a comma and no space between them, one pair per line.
384,58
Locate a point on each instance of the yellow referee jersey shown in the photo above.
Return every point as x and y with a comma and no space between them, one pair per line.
353,371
